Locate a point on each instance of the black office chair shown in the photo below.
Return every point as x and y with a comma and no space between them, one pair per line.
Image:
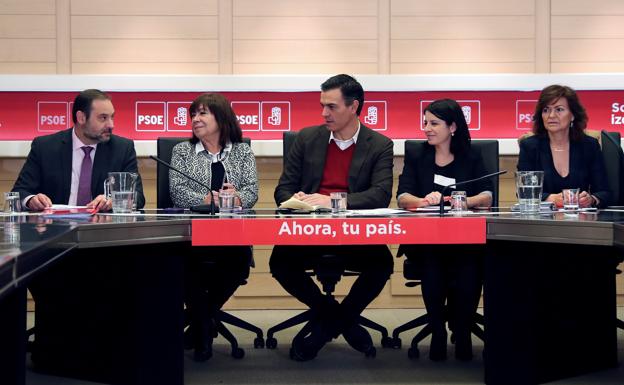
164,151
614,163
412,271
328,272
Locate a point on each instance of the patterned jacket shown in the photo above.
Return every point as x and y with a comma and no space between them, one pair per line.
240,170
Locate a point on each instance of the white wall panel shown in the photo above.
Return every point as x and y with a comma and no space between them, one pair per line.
144,27
144,7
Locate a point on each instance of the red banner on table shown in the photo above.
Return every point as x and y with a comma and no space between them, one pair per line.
338,231
266,115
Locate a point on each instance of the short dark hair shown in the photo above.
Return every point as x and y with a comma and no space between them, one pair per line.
84,100
553,93
219,106
451,112
351,89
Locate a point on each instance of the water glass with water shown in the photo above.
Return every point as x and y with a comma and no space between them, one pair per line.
338,202
122,201
570,198
12,203
459,201
226,201
529,190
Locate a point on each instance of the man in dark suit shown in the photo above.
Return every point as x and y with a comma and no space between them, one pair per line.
341,155
52,172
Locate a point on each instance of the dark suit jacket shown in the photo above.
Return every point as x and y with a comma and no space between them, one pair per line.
370,173
587,169
49,164
418,170
417,179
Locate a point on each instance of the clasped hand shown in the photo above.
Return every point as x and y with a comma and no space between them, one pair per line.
315,199
215,195
585,199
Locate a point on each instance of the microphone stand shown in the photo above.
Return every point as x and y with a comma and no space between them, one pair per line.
445,189
212,205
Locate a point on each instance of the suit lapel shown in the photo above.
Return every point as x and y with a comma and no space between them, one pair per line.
66,165
100,163
319,147
426,172
362,148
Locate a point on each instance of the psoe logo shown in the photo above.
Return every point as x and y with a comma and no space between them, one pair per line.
248,115
524,114
470,108
52,116
275,116
178,118
150,116
617,109
375,114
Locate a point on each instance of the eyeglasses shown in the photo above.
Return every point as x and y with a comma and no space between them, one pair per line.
558,110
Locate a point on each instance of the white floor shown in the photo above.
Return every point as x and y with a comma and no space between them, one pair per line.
337,363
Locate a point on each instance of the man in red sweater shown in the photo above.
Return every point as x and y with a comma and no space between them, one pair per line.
340,155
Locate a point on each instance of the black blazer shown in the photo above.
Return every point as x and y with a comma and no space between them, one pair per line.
370,173
587,169
418,170
49,165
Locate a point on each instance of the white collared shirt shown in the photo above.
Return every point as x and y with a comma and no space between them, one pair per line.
77,158
344,144
218,157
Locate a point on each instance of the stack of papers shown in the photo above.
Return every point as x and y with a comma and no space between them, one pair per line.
296,204
69,211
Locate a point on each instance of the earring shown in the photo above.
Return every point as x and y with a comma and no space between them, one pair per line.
572,124
452,134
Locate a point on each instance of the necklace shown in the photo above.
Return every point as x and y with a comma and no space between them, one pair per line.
555,149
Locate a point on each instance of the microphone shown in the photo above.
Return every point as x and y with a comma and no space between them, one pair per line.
463,183
203,208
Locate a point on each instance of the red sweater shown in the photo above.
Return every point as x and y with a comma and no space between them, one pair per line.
336,171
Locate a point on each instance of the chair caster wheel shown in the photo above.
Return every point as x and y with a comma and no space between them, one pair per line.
371,353
387,342
238,353
271,343
413,353
396,343
258,343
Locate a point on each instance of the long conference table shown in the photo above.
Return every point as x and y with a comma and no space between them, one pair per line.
109,288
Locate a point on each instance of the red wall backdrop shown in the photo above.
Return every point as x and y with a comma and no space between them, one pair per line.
265,115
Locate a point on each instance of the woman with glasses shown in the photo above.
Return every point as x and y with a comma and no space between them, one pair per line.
560,148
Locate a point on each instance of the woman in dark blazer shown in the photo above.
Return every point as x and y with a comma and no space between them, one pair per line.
560,148
447,271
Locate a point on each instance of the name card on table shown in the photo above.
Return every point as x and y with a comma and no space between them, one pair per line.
338,231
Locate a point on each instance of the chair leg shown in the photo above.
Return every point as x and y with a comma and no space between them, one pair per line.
296,320
386,341
413,351
420,321
479,319
271,342
478,332
620,324
235,321
236,351
240,323
477,327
